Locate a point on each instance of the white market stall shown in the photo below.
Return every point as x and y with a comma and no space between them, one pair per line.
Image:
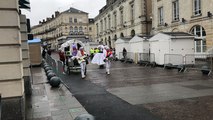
170,47
35,51
120,44
139,44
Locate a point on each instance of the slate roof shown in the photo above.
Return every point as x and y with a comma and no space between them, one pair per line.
145,36
125,38
74,10
177,34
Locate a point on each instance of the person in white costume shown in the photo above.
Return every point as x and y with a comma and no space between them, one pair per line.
81,57
99,57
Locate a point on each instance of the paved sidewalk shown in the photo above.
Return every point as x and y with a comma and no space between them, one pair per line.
47,103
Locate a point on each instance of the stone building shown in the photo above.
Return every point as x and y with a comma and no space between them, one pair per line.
123,18
69,24
191,16
14,60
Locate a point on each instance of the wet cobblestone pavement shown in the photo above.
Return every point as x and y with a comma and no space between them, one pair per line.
167,94
200,108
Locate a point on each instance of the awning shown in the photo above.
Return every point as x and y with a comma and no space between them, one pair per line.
24,4
34,41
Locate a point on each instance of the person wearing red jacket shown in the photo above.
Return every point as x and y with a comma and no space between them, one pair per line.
61,56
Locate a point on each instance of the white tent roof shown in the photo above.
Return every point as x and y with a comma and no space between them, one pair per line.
136,39
122,40
70,42
170,35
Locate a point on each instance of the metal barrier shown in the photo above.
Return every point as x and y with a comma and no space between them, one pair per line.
146,58
173,60
197,61
60,69
48,59
54,65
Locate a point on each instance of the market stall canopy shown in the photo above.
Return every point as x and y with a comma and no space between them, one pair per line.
34,41
70,42
24,4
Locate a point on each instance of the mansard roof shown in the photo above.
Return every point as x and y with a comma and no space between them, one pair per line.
74,10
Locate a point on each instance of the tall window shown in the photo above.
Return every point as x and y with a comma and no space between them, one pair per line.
200,42
90,29
122,17
101,26
115,20
71,29
97,29
76,29
75,20
160,16
80,29
105,23
175,8
197,7
70,20
109,22
132,13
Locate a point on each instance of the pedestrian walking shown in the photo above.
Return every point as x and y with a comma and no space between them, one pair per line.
61,56
44,51
92,51
124,52
49,52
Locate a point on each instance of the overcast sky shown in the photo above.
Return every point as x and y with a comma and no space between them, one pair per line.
40,9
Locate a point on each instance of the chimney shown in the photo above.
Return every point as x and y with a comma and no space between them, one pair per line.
57,13
40,22
43,20
48,19
52,16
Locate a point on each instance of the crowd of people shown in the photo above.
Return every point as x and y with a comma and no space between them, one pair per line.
101,55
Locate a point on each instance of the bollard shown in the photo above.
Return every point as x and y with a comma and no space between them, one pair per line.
85,117
49,71
50,75
47,68
55,81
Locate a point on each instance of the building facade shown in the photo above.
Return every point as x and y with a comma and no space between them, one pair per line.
71,23
123,18
191,16
14,60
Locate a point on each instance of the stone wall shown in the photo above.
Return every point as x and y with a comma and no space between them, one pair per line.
11,66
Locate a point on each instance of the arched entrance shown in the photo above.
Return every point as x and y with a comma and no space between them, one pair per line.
115,37
200,39
121,35
132,33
